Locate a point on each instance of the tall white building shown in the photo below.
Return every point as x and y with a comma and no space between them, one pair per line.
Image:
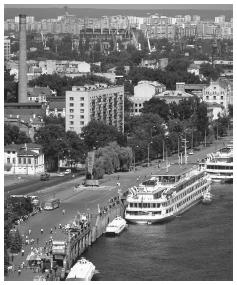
94,102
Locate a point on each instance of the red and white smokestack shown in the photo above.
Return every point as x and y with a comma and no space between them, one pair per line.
22,84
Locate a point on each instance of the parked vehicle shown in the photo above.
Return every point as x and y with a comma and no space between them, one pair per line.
52,204
68,171
45,176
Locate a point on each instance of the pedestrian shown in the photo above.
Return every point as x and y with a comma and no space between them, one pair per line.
60,226
51,230
19,271
42,231
29,232
63,211
22,252
55,227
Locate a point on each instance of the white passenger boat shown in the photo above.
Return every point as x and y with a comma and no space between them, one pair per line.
167,195
116,226
83,270
207,198
220,165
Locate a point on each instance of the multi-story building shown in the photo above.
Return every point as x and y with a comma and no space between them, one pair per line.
175,95
23,159
7,48
218,92
143,92
94,102
220,19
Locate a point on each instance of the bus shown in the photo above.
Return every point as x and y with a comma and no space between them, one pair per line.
52,204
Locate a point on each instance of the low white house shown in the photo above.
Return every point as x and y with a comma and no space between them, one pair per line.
23,159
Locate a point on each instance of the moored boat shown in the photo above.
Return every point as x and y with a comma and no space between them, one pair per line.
219,165
116,226
166,195
207,198
83,270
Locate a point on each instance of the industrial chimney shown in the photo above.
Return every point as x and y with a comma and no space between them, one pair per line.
22,84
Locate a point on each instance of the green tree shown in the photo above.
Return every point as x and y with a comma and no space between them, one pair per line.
12,134
15,242
98,134
156,106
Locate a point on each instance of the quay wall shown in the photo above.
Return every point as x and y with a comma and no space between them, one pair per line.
80,241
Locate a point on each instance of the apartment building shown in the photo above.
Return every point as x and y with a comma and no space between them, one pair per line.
94,102
7,48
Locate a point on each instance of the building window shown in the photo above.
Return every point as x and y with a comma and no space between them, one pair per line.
14,160
29,160
214,97
82,117
71,104
81,122
82,98
24,160
135,105
135,110
71,122
8,160
71,116
81,104
71,129
81,110
140,105
71,98
207,97
221,97
19,160
71,110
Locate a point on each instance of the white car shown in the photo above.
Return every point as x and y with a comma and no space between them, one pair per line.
67,171
60,174
191,152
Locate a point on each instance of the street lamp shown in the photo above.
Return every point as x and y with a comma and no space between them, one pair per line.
134,157
148,154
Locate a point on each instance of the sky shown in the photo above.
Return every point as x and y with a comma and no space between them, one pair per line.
127,6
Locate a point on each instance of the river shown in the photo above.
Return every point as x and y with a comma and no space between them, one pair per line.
195,246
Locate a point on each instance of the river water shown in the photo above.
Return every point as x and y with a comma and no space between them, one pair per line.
195,246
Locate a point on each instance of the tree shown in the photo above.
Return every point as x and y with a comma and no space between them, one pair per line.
53,139
12,134
210,72
15,242
156,106
98,134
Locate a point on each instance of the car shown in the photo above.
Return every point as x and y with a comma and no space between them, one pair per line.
45,176
67,171
191,152
61,174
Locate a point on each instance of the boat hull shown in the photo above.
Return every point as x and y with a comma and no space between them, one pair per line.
117,232
158,219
